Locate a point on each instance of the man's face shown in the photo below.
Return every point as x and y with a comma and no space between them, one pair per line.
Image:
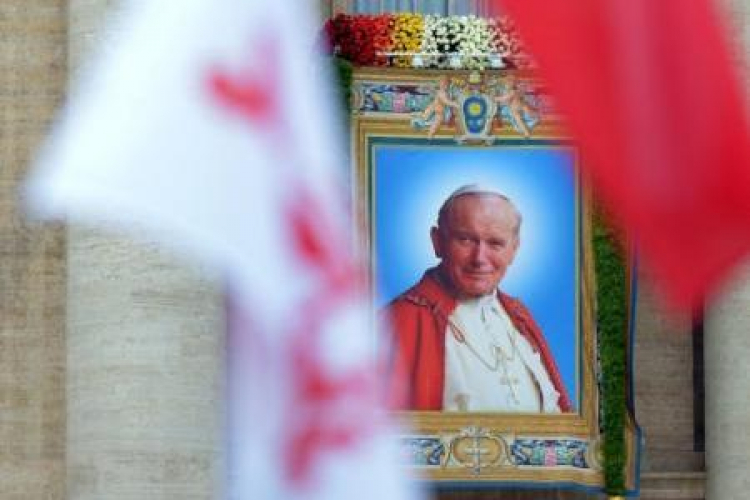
477,243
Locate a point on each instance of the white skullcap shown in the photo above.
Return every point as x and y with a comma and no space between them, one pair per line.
474,189
479,189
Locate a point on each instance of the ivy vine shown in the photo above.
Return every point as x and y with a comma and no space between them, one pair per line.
612,321
343,72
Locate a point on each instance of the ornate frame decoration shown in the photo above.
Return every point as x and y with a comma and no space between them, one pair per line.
493,109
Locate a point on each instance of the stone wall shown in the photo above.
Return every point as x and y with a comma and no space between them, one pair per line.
663,377
145,348
111,351
32,264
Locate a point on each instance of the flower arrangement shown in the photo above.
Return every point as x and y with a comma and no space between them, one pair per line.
429,48
435,41
478,39
362,40
406,36
507,43
449,33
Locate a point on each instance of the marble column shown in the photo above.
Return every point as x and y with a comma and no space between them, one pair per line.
727,355
145,347
727,343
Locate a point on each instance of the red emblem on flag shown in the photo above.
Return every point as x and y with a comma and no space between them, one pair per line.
332,409
253,92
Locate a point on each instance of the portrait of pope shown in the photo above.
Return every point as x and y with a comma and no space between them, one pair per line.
458,343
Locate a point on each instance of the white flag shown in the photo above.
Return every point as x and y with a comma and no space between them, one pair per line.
208,123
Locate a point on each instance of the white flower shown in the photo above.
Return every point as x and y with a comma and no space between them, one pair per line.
472,38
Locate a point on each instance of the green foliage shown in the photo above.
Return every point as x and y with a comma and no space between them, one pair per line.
612,321
343,71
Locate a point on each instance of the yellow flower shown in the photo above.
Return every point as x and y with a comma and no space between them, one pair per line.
407,35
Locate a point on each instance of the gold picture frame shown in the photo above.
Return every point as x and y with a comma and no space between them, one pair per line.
390,113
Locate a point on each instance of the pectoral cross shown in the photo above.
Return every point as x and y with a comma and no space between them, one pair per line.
510,383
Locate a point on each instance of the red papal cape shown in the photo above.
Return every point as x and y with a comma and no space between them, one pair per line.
418,320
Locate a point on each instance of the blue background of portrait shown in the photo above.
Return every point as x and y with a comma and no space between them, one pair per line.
411,181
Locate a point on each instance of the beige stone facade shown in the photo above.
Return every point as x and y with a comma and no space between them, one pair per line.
94,404
33,73
728,391
144,351
111,351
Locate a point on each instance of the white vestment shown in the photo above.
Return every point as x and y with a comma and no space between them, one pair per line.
490,366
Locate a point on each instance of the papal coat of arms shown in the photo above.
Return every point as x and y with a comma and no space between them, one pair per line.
473,105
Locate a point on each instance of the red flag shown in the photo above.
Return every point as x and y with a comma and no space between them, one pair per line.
650,90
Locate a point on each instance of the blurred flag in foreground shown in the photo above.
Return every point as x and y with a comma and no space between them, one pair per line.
209,124
651,92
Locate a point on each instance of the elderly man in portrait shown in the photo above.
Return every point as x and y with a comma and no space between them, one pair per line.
460,344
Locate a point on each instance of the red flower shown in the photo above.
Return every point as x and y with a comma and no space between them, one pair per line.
361,39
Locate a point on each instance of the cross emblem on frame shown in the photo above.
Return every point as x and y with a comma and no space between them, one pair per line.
476,449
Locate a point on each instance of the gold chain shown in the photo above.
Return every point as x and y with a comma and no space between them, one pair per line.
501,359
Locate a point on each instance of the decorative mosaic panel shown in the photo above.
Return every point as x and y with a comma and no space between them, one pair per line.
423,451
550,452
481,450
474,106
